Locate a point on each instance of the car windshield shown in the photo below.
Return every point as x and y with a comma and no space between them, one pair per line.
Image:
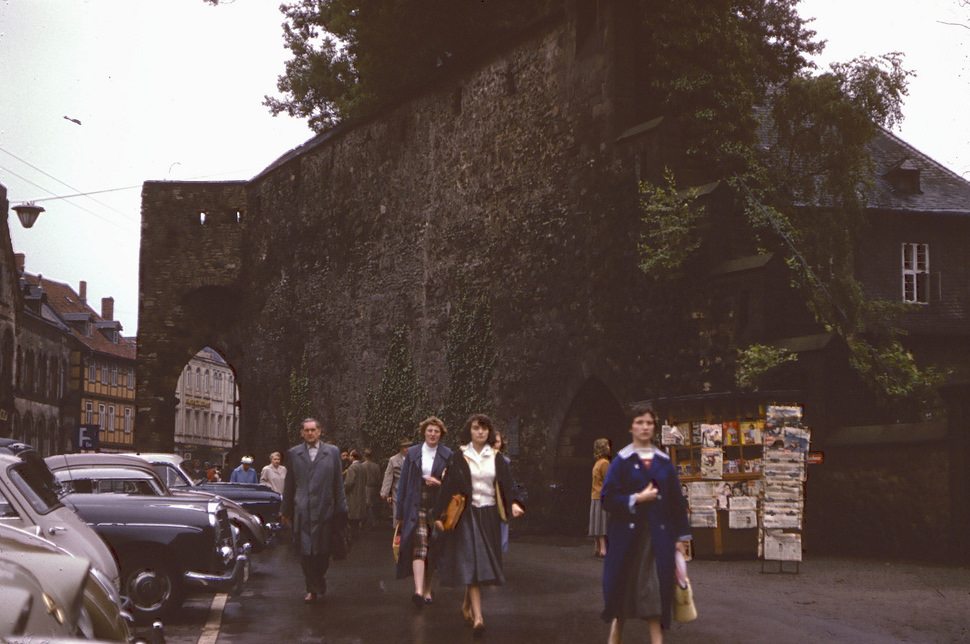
108,480
171,475
36,483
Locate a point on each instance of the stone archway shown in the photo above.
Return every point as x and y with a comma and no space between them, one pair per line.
594,412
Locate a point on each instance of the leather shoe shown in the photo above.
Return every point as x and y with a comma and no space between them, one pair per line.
417,600
310,598
478,629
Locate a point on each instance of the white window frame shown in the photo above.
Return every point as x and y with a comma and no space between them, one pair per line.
111,418
128,420
101,417
915,279
89,413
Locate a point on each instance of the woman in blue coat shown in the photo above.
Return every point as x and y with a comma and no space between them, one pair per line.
417,490
648,524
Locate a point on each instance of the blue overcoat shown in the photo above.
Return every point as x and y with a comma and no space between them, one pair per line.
666,518
409,499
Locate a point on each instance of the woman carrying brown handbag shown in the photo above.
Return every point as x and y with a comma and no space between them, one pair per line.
472,551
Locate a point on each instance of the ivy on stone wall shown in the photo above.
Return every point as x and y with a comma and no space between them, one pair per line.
392,409
470,354
296,403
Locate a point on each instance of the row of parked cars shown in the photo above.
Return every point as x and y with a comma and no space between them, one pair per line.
90,543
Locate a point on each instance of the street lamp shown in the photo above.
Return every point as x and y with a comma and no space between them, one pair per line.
28,213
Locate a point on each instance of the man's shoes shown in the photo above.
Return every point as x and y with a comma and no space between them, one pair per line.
310,598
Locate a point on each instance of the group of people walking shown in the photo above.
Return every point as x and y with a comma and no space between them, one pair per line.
640,503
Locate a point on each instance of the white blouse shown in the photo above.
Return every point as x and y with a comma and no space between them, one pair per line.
482,466
427,459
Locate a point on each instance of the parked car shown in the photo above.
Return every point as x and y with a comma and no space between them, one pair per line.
29,501
127,474
49,592
258,499
166,547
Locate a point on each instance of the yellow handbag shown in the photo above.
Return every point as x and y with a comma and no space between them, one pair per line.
684,609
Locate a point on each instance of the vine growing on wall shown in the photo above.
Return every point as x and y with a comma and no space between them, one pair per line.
393,408
296,402
470,353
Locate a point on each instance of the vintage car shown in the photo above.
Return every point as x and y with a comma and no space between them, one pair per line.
166,547
257,499
29,501
127,474
49,592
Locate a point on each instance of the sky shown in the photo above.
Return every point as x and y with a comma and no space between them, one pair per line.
173,90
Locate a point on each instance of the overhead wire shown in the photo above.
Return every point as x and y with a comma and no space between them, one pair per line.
80,193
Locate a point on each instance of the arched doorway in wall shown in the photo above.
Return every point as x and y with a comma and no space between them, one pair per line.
593,413
207,410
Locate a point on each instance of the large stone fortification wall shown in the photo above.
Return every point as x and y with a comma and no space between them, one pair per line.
503,175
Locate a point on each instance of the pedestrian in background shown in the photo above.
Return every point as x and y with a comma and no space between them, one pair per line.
313,504
417,491
274,474
356,490
245,473
392,474
372,488
648,524
472,551
597,515
499,446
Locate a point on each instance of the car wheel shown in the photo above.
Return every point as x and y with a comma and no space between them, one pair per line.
152,587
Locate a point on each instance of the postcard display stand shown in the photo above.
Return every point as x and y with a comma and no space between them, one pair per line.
751,472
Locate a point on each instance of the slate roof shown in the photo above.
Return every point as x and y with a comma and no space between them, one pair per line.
942,191
69,306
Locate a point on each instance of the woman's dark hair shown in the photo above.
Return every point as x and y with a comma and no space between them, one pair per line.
639,409
481,419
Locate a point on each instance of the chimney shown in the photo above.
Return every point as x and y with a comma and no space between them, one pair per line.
107,308
82,292
21,261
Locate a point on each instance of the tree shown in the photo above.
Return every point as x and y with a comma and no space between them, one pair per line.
351,56
804,198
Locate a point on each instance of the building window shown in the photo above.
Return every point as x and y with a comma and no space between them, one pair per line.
206,382
127,420
101,417
131,378
111,418
89,413
114,375
916,273
92,371
104,374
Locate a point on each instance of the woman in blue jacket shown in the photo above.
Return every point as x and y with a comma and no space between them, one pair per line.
648,524
421,474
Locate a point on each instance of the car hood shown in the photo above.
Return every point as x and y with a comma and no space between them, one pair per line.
126,508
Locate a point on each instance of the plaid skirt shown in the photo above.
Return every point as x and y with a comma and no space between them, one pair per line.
422,531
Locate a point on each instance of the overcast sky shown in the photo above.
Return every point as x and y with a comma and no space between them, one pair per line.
173,89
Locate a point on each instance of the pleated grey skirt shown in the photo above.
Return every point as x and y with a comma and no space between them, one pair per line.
472,552
598,519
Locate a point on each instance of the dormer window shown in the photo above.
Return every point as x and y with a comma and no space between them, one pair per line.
904,178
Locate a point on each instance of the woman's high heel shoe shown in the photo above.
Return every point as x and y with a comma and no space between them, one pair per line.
478,628
466,613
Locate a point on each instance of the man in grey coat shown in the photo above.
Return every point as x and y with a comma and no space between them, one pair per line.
313,502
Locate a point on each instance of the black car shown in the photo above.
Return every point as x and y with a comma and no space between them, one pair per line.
166,547
128,474
257,499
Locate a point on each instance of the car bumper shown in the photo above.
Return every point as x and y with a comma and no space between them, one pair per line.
214,582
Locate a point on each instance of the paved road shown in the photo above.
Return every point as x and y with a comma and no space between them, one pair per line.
553,595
